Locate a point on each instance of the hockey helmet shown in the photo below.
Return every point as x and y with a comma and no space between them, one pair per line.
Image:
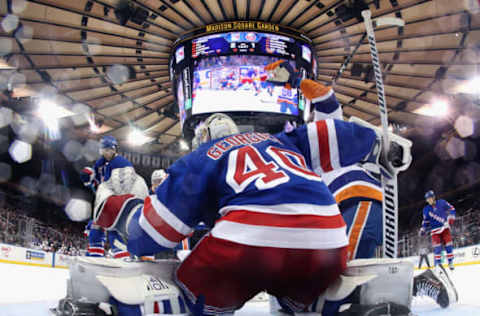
158,175
108,142
429,194
215,126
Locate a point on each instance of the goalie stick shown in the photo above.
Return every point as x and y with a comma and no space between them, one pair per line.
385,21
389,185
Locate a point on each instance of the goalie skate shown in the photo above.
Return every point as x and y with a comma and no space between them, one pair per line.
434,285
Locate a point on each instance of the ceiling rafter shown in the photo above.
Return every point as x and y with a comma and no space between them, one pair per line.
260,11
92,65
194,11
287,11
165,3
325,10
86,29
110,84
222,9
93,56
148,9
381,39
146,104
145,7
207,7
102,44
375,15
273,11
89,15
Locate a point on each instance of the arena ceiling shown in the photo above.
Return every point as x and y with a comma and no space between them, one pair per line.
69,47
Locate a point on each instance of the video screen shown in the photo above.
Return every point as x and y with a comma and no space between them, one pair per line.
238,83
243,42
181,100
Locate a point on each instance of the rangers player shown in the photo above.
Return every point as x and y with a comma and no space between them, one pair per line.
116,172
438,218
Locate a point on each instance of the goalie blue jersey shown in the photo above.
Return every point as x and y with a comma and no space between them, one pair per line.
256,189
353,183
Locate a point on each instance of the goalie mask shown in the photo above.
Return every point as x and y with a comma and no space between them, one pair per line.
216,126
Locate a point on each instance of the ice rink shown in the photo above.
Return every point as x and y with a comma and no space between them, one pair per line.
31,291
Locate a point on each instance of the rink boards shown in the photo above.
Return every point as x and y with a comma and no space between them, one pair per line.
462,257
19,255
32,257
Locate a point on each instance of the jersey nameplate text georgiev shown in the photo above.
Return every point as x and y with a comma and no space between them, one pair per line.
219,148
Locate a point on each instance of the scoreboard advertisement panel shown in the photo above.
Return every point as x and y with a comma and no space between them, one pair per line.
220,68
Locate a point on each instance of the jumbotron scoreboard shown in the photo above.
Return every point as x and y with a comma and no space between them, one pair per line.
220,68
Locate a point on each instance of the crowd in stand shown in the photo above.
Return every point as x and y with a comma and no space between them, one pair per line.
18,229
68,238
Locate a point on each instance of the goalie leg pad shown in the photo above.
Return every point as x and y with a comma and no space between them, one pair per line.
393,283
84,272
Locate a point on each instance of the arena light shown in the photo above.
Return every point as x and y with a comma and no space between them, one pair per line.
138,138
50,113
472,86
93,127
183,145
438,107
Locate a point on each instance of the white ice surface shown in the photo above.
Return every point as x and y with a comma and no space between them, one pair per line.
30,291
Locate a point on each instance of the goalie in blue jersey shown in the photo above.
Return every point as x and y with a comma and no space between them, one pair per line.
276,226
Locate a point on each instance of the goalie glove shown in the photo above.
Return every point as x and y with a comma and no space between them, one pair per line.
281,73
87,175
399,156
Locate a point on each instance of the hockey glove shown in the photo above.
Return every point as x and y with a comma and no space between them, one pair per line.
281,73
87,175
398,157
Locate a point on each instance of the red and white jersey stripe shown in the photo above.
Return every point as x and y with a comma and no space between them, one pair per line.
161,224
100,251
298,226
324,151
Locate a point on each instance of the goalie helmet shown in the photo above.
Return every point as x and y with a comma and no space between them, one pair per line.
215,126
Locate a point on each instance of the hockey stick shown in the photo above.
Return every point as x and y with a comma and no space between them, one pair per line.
389,185
378,22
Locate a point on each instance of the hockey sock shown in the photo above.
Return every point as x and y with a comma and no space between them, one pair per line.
449,249
437,251
96,241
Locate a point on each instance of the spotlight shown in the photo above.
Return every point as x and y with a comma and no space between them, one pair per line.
138,138
50,113
183,145
470,87
438,107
